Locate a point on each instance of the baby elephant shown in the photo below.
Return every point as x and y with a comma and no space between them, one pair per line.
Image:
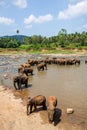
51,105
38,100
19,80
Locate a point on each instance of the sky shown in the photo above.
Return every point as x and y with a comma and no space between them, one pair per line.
42,17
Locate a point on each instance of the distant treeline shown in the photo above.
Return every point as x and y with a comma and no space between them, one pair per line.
63,40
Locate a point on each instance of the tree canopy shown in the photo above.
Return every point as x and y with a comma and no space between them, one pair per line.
63,40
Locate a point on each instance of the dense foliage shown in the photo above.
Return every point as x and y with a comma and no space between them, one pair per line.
62,40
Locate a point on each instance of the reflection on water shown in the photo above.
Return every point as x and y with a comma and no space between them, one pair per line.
67,83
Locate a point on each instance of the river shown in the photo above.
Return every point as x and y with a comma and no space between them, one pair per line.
67,83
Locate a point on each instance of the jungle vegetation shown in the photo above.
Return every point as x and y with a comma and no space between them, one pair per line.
38,42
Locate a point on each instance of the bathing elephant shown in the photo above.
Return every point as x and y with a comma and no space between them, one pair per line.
47,61
38,100
85,61
19,80
27,71
70,61
32,62
41,66
20,68
61,61
77,61
51,106
25,65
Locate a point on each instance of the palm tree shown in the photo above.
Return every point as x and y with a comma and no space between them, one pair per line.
17,31
62,36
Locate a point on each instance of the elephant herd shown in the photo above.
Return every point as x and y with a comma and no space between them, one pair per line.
26,69
62,61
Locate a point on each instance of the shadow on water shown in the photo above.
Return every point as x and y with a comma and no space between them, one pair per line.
28,86
40,109
57,116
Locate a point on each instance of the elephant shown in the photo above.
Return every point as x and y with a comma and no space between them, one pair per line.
47,61
85,61
70,61
32,62
41,66
61,61
27,71
38,100
73,61
51,106
25,65
77,61
19,80
20,68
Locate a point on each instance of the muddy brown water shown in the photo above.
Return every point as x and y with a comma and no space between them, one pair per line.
67,83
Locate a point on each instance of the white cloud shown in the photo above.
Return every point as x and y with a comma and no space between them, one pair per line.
7,21
40,19
20,3
74,10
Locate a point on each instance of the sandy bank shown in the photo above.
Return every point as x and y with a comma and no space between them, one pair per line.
13,116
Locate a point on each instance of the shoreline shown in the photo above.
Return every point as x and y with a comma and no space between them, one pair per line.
13,115
46,55
60,52
13,53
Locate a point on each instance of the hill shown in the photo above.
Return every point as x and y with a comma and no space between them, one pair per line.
18,37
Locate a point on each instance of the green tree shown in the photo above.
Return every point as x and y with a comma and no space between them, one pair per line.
62,37
17,31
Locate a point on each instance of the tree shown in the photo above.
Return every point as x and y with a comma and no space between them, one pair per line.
62,36
17,31
63,32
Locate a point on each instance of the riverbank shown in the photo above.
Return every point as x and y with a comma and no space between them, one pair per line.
13,115
59,51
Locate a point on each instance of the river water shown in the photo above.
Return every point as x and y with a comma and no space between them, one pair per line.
67,83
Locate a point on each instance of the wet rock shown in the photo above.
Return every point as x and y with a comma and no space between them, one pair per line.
70,110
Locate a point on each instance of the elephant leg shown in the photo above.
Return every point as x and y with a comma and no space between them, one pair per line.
27,109
18,84
35,108
31,72
26,84
19,87
43,68
44,106
46,67
26,73
15,86
31,108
